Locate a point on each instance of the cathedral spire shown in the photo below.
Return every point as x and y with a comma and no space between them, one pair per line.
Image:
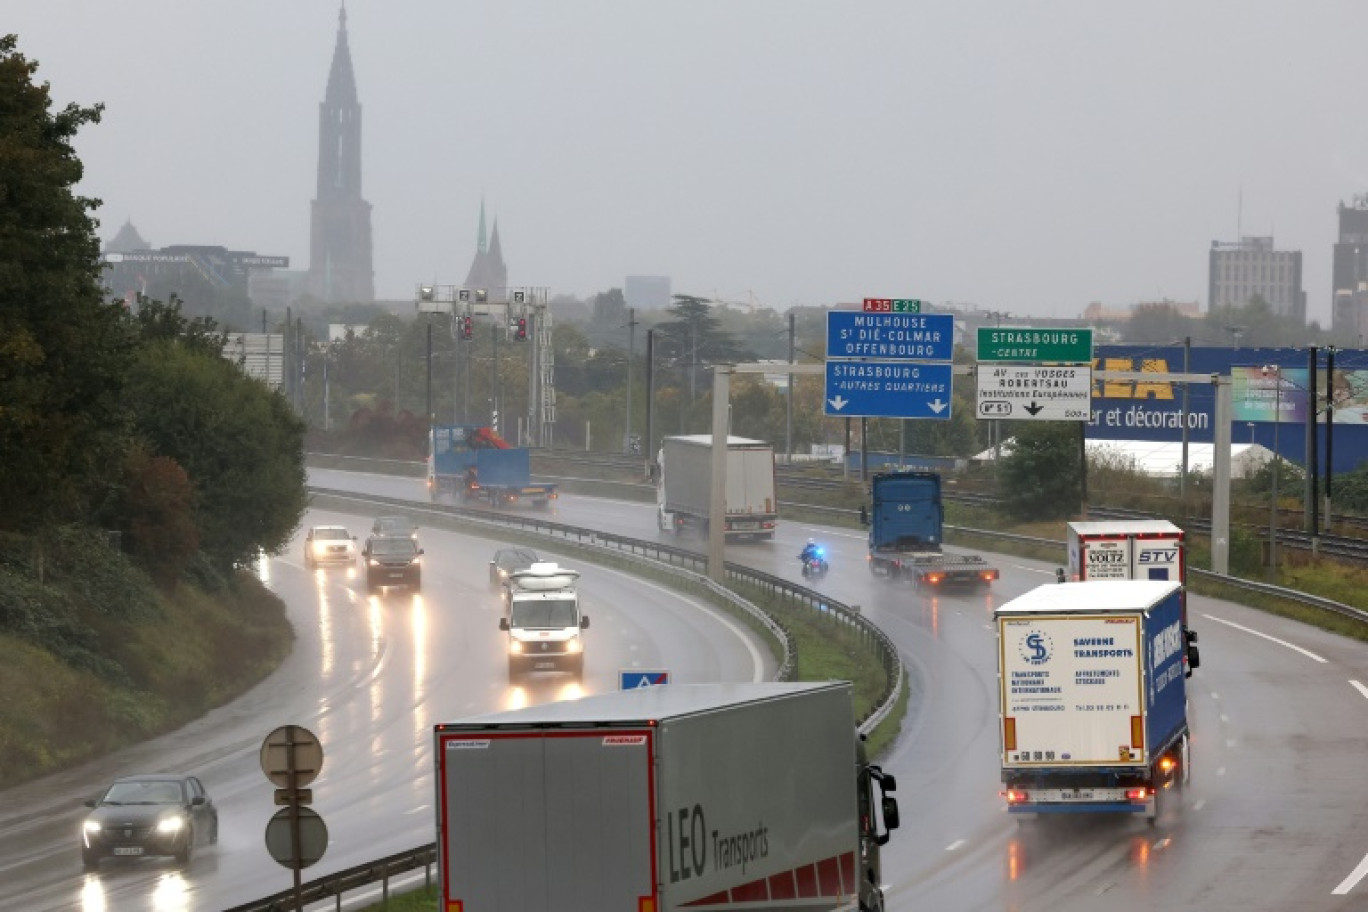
482,245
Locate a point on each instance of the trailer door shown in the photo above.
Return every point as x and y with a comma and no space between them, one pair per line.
548,820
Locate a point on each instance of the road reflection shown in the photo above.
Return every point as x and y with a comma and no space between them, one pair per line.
170,894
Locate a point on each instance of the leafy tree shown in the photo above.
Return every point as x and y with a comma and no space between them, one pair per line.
1041,477
239,442
1351,488
1158,324
63,350
157,515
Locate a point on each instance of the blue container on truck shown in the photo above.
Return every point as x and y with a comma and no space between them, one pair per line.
1093,697
473,462
906,528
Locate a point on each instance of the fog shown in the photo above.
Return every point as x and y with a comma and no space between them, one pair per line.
1025,157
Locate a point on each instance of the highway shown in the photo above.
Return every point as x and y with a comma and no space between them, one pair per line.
1272,818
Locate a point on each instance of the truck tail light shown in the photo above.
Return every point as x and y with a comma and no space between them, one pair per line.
988,575
934,577
1139,795
1016,796
1167,763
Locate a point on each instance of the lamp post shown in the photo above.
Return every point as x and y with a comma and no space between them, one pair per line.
1272,370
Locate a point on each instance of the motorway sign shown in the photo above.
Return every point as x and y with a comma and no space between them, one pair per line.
890,336
1032,392
888,389
892,305
632,678
1021,343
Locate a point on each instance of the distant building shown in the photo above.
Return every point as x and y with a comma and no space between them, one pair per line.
1097,312
127,240
1240,270
487,270
187,270
340,225
647,292
1349,304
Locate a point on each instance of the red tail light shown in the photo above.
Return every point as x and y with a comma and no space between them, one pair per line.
1139,795
1016,796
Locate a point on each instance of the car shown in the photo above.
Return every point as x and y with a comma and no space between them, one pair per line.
394,525
138,816
392,560
329,545
506,561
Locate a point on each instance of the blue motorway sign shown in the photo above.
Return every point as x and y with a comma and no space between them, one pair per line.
888,389
890,336
632,679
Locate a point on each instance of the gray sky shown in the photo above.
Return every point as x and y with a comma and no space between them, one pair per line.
1026,157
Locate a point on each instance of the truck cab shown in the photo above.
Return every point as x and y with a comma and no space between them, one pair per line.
543,621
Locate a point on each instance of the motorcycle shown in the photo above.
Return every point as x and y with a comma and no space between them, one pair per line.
815,567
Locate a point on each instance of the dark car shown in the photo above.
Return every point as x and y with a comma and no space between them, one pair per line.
507,560
137,816
394,525
393,560
329,545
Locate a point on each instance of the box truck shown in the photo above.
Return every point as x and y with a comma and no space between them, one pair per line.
906,527
663,799
684,486
1133,549
1093,697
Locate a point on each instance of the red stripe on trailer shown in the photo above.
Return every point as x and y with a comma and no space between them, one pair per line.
782,886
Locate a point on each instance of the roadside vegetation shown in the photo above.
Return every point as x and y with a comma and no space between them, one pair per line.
143,475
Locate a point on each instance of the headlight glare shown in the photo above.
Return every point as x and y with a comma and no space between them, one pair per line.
92,826
170,825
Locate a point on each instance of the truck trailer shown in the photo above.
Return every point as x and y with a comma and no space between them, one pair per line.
473,463
663,799
684,486
1133,549
906,525
1093,697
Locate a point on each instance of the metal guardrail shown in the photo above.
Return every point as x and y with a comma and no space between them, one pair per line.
687,565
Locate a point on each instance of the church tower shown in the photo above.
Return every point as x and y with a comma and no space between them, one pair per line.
340,227
487,270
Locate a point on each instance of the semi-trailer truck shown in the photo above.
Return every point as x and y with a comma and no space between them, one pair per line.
684,486
1093,697
906,526
1133,549
663,799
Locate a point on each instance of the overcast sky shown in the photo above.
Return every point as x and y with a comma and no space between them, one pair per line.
1025,157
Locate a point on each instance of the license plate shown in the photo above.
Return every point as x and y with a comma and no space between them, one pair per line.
745,525
1079,795
544,665
128,850
396,574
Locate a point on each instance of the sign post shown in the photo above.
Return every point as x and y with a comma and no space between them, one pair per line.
296,837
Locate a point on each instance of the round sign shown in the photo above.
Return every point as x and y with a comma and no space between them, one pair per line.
313,837
291,749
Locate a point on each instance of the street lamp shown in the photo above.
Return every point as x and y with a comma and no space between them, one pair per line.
1272,370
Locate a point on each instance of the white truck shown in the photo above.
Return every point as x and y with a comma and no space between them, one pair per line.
543,620
663,799
1132,549
684,486
1093,697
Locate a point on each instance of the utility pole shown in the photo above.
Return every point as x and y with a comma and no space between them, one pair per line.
631,348
648,451
1312,509
1329,428
1183,471
788,419
429,414
494,376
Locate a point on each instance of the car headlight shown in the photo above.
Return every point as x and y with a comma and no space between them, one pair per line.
417,562
92,826
170,825
515,646
374,562
574,645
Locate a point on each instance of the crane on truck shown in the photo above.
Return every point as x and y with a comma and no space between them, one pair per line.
473,462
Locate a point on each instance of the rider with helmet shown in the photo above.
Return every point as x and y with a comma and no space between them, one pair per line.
810,551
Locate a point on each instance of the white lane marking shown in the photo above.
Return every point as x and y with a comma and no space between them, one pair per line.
1199,804
1231,742
1271,639
954,845
419,809
1220,771
1225,718
1032,569
1354,877
1360,688
742,635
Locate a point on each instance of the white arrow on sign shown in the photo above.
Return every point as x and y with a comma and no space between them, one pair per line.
937,406
839,402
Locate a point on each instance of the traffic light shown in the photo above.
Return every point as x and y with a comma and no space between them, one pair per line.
520,334
467,327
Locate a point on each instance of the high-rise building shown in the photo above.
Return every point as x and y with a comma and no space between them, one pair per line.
1349,285
487,270
1249,268
340,228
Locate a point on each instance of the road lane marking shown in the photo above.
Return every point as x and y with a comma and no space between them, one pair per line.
1360,688
1272,639
954,845
1352,880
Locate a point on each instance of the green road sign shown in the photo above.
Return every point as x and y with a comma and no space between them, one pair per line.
1021,343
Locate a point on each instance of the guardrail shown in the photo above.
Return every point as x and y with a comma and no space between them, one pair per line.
688,566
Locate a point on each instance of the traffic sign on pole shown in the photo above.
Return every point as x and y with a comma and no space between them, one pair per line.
1022,343
890,336
888,389
1033,392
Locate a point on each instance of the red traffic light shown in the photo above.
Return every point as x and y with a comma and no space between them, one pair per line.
467,328
521,333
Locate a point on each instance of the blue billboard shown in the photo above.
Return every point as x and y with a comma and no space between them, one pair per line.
1137,410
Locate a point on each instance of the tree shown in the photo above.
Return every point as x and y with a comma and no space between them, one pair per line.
63,350
1041,477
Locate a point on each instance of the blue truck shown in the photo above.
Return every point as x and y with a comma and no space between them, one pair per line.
906,525
1093,697
473,463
